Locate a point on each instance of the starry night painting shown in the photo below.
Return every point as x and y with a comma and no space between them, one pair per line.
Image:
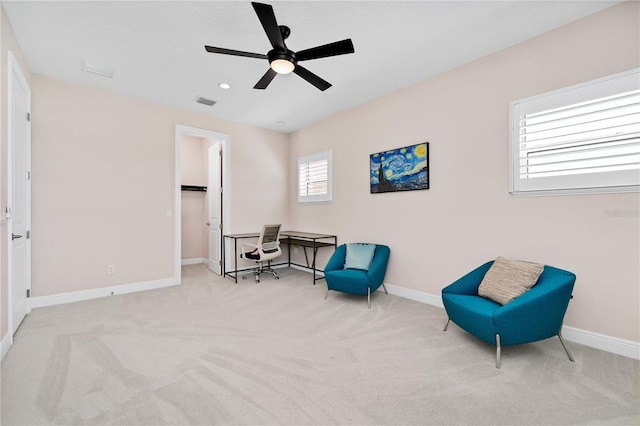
402,169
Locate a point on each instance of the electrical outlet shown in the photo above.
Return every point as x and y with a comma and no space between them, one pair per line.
111,269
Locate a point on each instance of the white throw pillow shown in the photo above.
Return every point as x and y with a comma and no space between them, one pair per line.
359,256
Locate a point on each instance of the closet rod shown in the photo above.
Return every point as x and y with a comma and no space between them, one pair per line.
194,188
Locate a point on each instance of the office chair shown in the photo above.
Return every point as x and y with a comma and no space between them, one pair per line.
267,248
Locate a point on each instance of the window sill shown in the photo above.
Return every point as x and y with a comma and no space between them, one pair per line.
576,191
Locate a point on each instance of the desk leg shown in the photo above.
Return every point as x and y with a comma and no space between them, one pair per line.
235,258
313,265
306,258
224,243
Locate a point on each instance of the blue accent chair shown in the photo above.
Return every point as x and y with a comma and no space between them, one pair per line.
535,315
356,281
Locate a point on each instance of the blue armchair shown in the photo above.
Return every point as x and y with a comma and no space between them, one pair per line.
533,316
356,281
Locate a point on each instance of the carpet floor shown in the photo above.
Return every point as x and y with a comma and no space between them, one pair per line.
214,352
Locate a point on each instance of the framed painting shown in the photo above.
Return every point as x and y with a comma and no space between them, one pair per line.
402,169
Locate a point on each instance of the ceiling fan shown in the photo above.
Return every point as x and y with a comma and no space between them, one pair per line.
281,59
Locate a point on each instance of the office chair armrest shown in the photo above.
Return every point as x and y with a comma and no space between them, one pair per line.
250,248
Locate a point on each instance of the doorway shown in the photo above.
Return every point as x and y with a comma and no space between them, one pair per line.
202,202
18,211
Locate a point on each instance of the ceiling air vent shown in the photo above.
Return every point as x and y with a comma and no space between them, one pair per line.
205,101
97,69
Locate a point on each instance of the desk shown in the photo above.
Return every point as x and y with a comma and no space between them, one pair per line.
290,238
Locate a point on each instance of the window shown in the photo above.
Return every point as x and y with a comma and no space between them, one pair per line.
584,138
314,177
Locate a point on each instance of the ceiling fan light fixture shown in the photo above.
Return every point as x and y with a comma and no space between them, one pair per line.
282,66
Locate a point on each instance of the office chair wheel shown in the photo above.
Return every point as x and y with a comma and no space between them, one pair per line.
244,277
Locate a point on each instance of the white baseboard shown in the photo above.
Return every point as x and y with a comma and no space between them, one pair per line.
416,295
302,268
194,261
5,344
603,342
615,345
77,296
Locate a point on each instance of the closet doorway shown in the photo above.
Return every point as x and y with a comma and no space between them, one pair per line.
202,199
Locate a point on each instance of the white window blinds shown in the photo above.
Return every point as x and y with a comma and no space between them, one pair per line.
314,177
583,139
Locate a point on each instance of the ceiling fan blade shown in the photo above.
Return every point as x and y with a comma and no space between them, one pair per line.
269,23
341,47
212,49
312,78
265,80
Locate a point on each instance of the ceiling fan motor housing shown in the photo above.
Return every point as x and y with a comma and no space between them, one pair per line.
286,54
284,31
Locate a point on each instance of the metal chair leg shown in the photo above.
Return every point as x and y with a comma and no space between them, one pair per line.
369,297
497,351
255,271
272,272
385,289
446,324
326,294
565,347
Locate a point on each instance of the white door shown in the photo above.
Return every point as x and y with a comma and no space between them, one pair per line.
214,192
20,198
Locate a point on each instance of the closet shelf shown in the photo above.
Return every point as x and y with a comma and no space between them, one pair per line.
194,188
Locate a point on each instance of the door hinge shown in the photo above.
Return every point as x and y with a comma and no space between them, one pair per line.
220,153
28,116
221,190
219,262
220,226
28,175
28,235
28,292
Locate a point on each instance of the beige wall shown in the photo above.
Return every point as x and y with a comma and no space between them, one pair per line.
194,207
7,43
103,173
468,216
194,167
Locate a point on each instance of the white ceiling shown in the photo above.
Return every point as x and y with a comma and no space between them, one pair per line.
157,48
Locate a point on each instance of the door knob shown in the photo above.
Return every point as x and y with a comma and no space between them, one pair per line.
14,236
208,223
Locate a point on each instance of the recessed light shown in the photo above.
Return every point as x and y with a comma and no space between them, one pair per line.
224,86
100,70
